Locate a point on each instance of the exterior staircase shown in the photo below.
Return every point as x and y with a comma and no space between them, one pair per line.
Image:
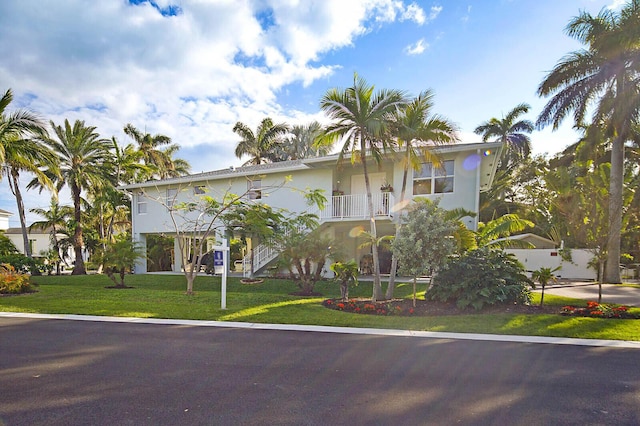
340,208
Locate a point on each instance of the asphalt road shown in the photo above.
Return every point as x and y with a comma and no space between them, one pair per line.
59,372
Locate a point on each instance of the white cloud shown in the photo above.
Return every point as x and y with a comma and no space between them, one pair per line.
435,11
617,4
414,13
466,17
416,48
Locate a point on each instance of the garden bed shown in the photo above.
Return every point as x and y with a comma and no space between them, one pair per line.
404,307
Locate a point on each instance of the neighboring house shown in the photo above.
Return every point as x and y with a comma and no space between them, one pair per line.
4,219
39,241
468,169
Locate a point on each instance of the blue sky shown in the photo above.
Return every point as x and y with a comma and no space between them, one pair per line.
190,69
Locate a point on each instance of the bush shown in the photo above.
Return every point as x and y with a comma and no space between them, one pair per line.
22,263
14,282
481,277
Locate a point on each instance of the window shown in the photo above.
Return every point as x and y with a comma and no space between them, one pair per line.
32,246
434,180
142,204
199,190
171,196
253,186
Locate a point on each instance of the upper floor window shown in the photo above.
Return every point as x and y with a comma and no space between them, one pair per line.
172,193
142,204
199,189
434,180
253,187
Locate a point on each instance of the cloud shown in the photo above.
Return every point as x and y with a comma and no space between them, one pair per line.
139,63
466,17
435,11
416,48
617,4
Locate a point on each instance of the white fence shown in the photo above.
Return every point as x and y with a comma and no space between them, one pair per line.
576,269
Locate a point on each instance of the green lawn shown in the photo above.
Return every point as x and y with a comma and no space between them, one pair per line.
163,296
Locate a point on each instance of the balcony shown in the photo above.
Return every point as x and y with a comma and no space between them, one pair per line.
354,207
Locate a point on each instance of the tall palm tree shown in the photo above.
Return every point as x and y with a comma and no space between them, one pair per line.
83,158
418,130
603,78
55,220
21,149
512,132
155,156
362,120
260,145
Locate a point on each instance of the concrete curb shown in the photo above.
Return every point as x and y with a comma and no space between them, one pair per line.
340,330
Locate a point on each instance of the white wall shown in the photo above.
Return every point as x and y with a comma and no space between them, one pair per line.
577,269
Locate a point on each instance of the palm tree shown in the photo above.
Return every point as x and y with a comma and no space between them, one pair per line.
127,164
21,149
300,144
418,130
261,144
362,120
511,132
602,78
161,160
55,219
83,158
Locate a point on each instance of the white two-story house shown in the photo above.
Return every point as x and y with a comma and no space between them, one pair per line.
467,170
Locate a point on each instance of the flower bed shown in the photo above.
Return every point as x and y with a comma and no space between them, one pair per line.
368,307
599,310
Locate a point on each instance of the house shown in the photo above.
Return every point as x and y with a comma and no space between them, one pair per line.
467,170
39,241
4,219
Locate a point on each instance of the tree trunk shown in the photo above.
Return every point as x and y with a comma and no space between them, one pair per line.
394,259
415,279
616,180
15,188
600,270
78,268
377,285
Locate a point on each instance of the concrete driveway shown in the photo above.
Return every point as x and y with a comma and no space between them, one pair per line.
611,293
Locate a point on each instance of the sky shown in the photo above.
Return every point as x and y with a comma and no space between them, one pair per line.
191,69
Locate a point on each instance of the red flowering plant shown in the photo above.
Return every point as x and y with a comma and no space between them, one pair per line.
599,310
367,307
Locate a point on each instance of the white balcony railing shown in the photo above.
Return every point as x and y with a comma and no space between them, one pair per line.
355,206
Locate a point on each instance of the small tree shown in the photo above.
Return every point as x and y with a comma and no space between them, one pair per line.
425,241
543,276
346,274
306,254
118,258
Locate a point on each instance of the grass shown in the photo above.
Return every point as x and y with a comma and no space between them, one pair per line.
163,296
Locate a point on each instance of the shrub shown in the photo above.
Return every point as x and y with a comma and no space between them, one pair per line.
22,263
481,277
14,282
